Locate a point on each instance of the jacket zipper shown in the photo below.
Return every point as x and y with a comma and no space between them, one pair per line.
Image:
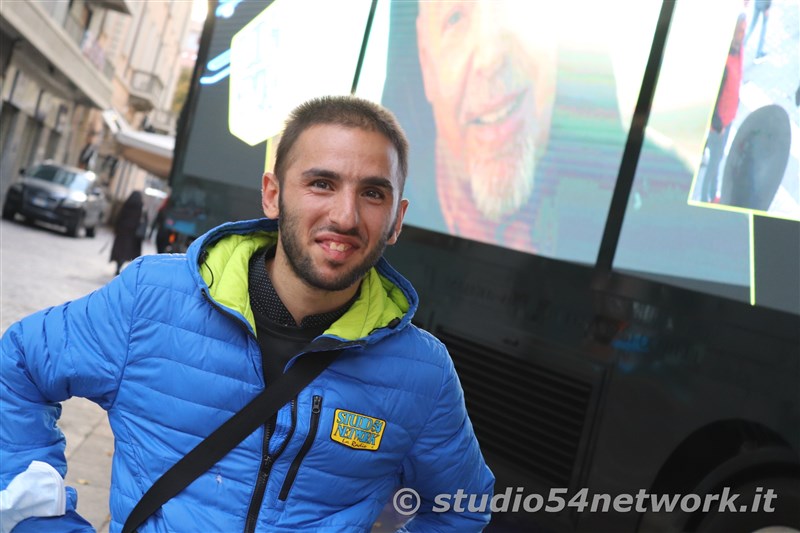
316,409
264,470
267,460
261,481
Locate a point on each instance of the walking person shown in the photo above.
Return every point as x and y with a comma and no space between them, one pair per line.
129,231
760,10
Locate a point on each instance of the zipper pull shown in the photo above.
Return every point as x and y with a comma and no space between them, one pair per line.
316,405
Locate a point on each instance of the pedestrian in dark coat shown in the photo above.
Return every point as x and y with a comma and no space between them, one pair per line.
129,230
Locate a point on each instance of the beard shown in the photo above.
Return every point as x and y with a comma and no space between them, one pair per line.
303,266
501,185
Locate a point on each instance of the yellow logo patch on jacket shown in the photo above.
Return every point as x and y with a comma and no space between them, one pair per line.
357,431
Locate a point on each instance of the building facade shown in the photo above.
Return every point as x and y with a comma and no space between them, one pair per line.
76,73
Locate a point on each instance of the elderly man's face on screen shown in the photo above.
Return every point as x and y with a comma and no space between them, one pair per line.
489,70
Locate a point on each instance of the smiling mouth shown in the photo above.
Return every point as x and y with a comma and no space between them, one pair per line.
498,114
339,246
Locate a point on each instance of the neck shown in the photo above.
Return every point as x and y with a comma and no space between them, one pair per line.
300,298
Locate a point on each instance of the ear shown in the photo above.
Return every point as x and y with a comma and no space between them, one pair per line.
398,223
270,193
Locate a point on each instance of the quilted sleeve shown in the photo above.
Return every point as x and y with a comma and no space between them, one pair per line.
74,349
446,463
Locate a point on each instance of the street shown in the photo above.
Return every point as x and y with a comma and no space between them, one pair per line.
40,267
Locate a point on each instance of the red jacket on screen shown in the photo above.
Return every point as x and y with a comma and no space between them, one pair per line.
728,101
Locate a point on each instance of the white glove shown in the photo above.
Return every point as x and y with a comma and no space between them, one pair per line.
38,491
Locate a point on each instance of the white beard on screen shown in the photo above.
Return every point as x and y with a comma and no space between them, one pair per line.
500,188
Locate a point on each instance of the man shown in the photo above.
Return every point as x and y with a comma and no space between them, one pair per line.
760,9
178,343
491,85
528,130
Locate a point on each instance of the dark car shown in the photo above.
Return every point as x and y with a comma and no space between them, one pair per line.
58,194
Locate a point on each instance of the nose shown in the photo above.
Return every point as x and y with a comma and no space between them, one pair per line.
491,53
343,213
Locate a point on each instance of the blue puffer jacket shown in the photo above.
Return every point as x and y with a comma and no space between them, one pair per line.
168,348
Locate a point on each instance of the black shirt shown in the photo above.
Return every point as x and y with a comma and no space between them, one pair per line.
279,336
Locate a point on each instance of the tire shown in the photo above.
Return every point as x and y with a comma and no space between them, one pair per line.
784,517
8,212
74,227
90,232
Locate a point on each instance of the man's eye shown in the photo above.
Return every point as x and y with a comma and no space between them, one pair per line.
374,194
454,18
319,184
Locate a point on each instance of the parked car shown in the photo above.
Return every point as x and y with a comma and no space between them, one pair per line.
58,194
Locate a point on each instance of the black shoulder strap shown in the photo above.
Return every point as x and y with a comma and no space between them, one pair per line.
229,435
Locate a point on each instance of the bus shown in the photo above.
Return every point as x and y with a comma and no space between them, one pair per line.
604,230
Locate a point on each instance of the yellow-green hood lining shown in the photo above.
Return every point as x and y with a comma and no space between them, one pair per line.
225,271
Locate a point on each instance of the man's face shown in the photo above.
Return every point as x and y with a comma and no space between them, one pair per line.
338,204
489,73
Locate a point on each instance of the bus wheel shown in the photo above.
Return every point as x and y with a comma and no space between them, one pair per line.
753,515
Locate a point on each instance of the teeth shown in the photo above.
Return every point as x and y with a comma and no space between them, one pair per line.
339,246
498,115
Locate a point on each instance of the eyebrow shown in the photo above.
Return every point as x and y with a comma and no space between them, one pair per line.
374,181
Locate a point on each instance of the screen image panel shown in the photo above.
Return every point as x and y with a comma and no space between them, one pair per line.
242,164
750,158
669,233
517,114
286,56
264,60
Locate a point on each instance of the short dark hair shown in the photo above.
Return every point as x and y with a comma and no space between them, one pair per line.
349,111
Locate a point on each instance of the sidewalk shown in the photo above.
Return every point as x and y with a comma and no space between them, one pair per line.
90,446
41,267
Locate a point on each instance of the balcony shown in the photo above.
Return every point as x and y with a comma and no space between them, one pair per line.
145,91
89,46
80,59
121,6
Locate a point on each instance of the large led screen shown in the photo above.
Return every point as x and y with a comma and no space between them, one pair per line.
517,114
